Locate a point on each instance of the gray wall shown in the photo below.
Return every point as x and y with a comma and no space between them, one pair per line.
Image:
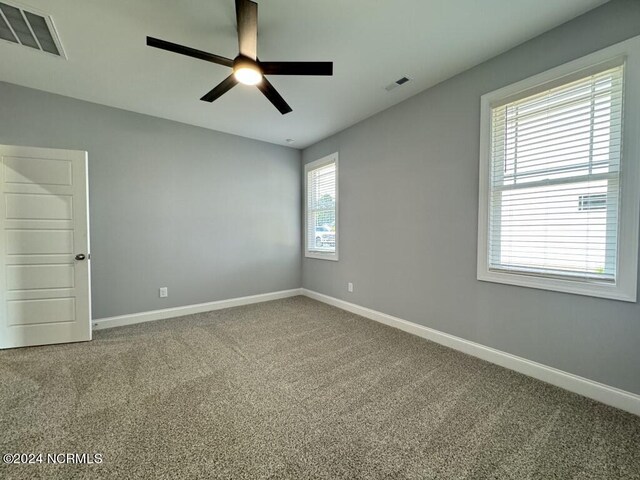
408,218
211,216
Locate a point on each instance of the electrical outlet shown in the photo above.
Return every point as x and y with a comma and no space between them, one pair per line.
350,287
164,292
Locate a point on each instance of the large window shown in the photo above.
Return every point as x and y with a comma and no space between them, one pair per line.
551,204
321,210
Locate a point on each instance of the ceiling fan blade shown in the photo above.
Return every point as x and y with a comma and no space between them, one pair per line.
274,97
189,52
247,18
297,68
222,88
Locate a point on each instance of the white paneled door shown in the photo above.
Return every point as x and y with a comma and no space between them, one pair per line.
44,247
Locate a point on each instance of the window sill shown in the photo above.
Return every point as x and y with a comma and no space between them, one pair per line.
322,256
591,289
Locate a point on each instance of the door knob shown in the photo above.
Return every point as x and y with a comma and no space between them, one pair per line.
80,256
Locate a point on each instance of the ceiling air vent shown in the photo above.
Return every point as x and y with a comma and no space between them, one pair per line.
397,83
24,27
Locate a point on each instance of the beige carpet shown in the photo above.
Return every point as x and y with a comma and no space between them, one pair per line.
296,389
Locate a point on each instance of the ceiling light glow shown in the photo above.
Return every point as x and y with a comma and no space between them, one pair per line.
248,75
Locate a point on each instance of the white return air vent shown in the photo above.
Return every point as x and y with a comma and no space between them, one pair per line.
23,26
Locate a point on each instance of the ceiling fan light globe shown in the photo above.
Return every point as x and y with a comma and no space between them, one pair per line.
248,75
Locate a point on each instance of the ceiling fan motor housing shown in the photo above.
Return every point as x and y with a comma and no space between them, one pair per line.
245,62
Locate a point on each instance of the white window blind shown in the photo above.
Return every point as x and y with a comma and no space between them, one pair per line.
321,208
554,188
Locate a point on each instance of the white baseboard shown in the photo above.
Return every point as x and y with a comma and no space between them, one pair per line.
121,320
603,393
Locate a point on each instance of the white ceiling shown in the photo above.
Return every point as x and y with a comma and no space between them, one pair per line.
371,42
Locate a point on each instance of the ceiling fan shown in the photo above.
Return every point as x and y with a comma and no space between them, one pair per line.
247,68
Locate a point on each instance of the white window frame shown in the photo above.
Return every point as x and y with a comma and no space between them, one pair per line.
333,158
625,286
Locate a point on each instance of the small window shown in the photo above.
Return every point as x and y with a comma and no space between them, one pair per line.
321,210
552,211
